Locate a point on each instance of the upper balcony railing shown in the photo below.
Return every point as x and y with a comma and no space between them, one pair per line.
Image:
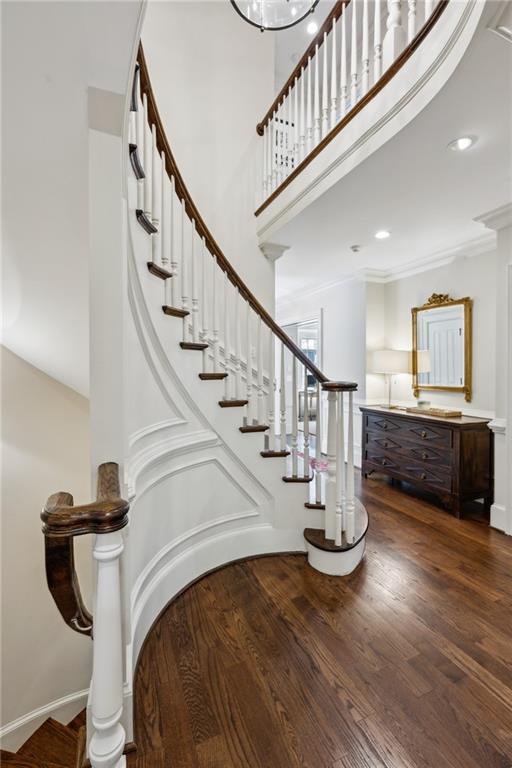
347,64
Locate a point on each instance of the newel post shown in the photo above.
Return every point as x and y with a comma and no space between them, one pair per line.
330,483
108,738
395,37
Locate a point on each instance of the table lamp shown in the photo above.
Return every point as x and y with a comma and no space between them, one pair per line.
390,362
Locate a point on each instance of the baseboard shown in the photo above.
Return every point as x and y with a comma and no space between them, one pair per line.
499,517
15,733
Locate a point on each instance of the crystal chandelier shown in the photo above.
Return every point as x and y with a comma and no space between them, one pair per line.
274,14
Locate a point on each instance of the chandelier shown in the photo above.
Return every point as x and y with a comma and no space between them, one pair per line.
274,14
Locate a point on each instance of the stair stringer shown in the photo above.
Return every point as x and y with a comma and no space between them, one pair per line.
189,436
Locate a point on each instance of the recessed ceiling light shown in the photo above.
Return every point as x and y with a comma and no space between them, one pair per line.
294,11
382,234
460,145
312,28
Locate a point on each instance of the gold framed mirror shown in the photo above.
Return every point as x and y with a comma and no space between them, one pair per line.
442,345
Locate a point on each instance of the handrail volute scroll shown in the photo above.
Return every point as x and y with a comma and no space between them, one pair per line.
61,523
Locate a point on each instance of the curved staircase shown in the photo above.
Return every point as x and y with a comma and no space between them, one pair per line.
52,745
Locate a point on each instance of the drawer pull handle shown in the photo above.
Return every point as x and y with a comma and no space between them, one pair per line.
423,476
423,434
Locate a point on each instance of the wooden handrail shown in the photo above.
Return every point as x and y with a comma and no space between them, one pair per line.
203,231
334,15
61,523
351,114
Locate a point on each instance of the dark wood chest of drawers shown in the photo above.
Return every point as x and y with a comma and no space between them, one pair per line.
451,457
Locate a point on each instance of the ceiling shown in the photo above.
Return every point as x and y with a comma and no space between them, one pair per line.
290,44
423,193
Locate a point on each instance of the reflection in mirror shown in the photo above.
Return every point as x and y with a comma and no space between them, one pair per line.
441,332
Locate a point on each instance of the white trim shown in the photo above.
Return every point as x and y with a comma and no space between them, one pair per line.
497,219
477,246
498,426
499,518
24,726
336,563
159,426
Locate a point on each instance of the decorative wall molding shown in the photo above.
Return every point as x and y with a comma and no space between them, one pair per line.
153,429
497,219
273,251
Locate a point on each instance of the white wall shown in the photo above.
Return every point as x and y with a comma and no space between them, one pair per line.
213,77
343,308
474,277
45,448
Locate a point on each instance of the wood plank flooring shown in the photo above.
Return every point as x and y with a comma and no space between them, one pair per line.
407,663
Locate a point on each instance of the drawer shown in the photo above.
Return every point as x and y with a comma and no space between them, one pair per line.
400,429
416,472
408,449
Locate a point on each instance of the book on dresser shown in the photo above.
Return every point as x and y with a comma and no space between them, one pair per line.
450,457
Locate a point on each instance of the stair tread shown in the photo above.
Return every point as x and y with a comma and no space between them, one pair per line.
192,345
19,761
253,428
52,742
314,505
158,271
174,311
274,454
316,537
212,376
297,479
78,721
232,403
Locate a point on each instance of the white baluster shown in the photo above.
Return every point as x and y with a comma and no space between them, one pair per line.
108,737
215,316
139,140
155,194
147,162
184,273
354,75
318,444
429,7
394,39
340,469
303,129
334,69
350,501
325,90
411,20
377,43
174,250
330,483
248,367
282,402
317,118
275,149
261,393
344,66
289,133
271,397
365,77
195,292
296,124
227,346
306,424
205,261
295,458
238,345
164,226
309,114
265,164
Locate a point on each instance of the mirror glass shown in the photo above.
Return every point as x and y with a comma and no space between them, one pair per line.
441,332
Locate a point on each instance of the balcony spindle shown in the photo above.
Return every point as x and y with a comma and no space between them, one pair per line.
318,445
264,179
377,43
309,113
147,161
215,316
195,290
184,273
350,500
248,366
275,149
354,74
330,483
340,469
325,89
365,77
411,20
306,425
282,402
334,69
271,397
238,346
317,121
295,125
261,391
344,67
295,420
395,37
227,345
303,128
205,290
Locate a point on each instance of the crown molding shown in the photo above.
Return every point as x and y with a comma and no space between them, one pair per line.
463,250
273,251
497,219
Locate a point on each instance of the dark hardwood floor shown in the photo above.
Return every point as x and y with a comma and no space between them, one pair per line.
407,663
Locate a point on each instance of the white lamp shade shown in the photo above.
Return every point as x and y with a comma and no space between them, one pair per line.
391,361
423,361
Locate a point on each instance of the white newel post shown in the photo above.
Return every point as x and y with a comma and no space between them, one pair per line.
340,470
330,484
108,738
394,39
350,491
